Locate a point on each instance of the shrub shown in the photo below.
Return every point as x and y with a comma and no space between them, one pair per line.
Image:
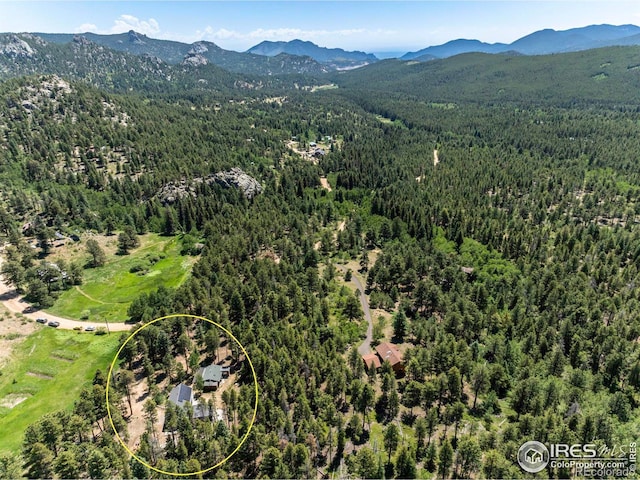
138,268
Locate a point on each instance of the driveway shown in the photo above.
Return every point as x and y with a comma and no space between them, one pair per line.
365,346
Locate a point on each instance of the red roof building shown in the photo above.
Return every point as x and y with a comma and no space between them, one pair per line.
388,351
371,358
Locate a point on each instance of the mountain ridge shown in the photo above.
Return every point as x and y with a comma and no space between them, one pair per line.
195,54
540,42
335,57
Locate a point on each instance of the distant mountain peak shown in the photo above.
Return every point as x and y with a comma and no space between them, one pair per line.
134,37
336,57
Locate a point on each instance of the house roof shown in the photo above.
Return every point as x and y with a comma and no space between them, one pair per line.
388,351
212,373
370,358
181,394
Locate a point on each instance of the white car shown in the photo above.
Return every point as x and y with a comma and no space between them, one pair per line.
89,328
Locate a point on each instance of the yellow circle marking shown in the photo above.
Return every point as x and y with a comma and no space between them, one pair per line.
255,407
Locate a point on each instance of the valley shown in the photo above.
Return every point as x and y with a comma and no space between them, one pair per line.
429,263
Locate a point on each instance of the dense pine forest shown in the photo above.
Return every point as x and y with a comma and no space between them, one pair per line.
496,233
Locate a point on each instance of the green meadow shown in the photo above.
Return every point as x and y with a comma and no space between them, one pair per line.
46,373
107,291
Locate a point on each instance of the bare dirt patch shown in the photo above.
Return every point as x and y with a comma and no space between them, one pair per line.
13,399
73,251
270,254
325,183
13,330
137,423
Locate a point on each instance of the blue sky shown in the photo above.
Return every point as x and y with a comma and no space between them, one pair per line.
373,26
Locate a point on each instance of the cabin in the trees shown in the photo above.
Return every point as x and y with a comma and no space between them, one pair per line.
181,395
319,152
371,359
387,351
213,375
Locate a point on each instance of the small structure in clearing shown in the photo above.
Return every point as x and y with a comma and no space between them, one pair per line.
213,376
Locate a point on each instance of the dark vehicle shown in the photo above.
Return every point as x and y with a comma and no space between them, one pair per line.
54,323
41,320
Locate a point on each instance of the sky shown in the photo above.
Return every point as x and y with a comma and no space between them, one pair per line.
371,26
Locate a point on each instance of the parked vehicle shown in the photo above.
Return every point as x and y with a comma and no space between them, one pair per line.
54,323
41,320
89,328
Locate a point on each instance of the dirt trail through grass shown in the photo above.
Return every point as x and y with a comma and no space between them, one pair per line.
84,294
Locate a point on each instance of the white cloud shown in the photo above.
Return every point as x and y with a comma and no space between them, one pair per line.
234,38
239,40
124,23
86,27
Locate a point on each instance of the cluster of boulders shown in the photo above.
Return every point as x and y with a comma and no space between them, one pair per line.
234,178
195,60
195,57
237,178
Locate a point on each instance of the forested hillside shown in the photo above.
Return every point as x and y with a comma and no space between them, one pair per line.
605,76
492,214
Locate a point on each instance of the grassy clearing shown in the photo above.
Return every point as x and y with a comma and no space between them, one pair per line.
387,121
319,88
47,371
107,291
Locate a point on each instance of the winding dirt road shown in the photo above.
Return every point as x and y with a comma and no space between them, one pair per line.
15,303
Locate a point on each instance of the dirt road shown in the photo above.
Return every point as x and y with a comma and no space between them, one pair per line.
17,304
365,346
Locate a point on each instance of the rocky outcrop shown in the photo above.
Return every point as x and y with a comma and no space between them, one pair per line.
16,47
134,38
234,178
195,60
81,40
197,48
172,191
237,178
